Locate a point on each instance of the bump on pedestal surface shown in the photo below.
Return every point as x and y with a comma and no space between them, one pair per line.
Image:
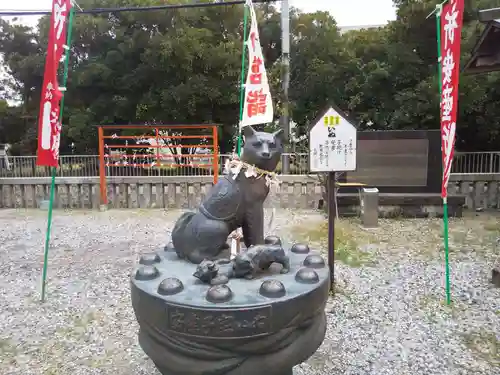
170,286
150,259
300,248
272,289
146,273
219,294
245,327
272,240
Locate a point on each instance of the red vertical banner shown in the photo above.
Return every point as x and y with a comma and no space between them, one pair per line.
49,125
451,31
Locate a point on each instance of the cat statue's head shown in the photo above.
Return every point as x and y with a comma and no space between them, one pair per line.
262,149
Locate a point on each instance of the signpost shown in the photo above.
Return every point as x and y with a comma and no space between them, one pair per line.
332,148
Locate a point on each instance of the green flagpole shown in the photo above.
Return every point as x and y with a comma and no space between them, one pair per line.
54,169
242,82
445,201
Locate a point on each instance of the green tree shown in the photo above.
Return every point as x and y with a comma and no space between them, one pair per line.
177,66
183,66
478,120
319,60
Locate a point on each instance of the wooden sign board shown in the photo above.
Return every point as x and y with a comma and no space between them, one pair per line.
332,143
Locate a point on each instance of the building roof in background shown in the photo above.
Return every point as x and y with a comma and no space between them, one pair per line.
485,56
487,15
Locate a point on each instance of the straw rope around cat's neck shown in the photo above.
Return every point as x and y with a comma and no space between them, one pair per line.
235,166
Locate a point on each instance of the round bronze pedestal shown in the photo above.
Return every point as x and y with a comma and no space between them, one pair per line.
246,327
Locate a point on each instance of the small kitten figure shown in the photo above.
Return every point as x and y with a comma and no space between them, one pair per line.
206,271
246,265
259,258
234,202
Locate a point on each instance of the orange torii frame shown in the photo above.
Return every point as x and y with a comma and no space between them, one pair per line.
104,156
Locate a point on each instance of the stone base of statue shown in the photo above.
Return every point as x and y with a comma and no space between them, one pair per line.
265,325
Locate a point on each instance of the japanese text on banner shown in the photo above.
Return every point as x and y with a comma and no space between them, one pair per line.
258,105
49,126
451,29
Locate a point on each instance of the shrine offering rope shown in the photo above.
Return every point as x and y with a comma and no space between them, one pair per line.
235,166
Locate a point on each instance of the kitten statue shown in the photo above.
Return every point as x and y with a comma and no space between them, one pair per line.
235,201
256,259
259,258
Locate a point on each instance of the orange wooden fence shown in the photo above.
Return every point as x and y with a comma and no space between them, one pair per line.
206,139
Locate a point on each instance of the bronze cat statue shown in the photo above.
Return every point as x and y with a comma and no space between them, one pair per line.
234,202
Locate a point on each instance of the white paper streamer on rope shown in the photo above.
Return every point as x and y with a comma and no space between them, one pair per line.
258,104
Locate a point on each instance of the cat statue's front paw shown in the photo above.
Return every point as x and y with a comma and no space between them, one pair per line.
249,276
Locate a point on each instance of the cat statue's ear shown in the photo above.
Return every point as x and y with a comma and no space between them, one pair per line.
248,131
278,134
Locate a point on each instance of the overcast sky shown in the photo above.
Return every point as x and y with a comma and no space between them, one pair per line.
346,12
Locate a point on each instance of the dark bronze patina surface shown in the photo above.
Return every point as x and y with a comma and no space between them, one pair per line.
234,202
261,313
265,325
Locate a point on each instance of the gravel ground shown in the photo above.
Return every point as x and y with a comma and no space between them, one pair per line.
388,315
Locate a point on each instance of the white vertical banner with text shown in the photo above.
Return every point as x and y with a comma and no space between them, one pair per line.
258,104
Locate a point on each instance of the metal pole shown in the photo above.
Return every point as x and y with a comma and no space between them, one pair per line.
102,173
242,80
285,57
332,209
215,140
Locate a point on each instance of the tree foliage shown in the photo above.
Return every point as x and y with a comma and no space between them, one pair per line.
182,66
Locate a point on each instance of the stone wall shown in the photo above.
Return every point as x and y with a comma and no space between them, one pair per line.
481,191
142,192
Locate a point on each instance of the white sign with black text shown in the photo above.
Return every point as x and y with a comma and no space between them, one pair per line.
332,144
